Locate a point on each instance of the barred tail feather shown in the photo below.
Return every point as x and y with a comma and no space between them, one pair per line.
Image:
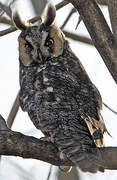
87,159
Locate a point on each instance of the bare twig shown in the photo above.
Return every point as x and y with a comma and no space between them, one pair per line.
13,112
13,1
12,29
7,31
61,4
68,17
50,171
1,12
78,38
6,9
112,6
73,175
4,20
16,144
99,31
33,20
109,108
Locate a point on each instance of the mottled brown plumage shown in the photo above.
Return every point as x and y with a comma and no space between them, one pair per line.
58,95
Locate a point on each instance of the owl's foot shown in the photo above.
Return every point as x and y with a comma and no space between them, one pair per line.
11,133
65,169
48,139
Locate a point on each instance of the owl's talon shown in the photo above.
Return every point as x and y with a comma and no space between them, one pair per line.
65,169
48,139
11,133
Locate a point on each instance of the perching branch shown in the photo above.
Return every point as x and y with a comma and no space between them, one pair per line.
16,144
99,31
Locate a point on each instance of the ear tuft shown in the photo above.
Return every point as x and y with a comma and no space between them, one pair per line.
18,22
50,15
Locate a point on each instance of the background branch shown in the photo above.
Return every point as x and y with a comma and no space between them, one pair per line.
112,7
61,4
4,20
109,108
13,112
76,37
38,6
6,9
68,17
102,2
99,31
32,20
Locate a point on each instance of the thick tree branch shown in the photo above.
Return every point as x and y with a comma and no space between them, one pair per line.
112,6
99,31
16,144
102,2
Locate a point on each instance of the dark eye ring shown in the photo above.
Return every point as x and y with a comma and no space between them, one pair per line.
49,42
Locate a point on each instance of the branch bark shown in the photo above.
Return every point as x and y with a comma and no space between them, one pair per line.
13,112
99,31
4,20
68,17
102,2
112,6
16,144
6,9
76,37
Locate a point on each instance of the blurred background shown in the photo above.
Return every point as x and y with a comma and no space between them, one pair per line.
16,168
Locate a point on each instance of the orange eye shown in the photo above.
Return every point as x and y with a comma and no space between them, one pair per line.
49,42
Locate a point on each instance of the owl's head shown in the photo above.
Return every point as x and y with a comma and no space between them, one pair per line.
38,43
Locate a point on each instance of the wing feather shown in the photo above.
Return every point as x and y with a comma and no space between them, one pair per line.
96,127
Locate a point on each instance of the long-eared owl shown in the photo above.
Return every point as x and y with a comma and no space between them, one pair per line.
57,93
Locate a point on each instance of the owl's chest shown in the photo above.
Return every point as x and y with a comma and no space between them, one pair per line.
52,84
